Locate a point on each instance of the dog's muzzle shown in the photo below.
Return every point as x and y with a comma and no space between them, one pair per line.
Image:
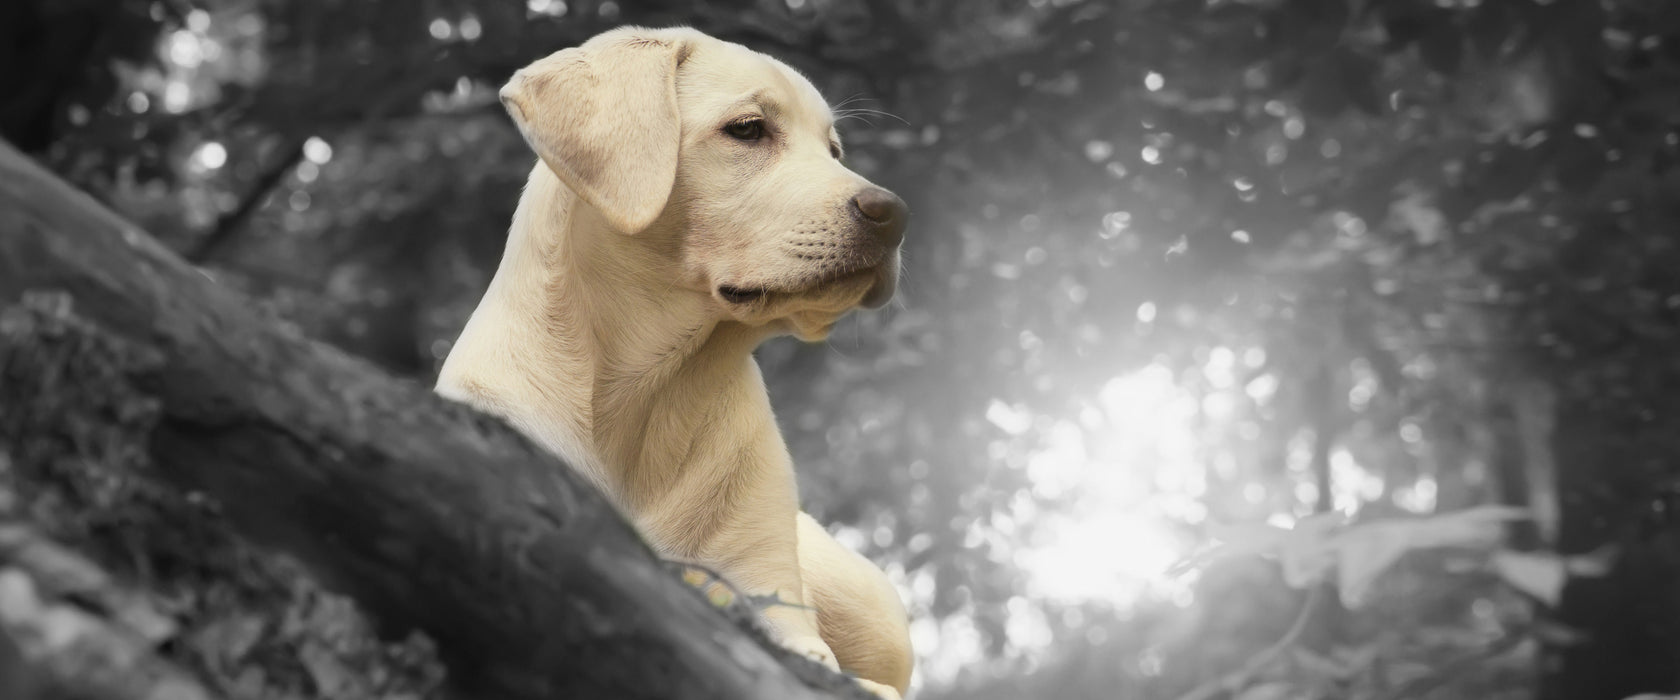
883,216
871,250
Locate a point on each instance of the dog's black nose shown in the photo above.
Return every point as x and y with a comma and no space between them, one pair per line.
884,213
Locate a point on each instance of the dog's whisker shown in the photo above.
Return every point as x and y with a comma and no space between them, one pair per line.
854,98
876,112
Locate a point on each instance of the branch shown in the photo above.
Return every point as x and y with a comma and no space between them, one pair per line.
1423,685
1236,680
1321,402
232,222
431,515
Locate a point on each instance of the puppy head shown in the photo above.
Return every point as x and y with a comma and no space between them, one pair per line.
723,162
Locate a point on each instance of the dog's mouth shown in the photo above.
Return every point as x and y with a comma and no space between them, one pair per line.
749,296
741,295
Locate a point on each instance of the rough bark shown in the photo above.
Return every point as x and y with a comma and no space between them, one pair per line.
430,515
116,586
51,646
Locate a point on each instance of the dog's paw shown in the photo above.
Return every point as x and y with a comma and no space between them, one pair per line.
885,692
813,648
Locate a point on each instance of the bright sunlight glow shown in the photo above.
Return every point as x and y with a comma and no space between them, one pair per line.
1130,452
1118,477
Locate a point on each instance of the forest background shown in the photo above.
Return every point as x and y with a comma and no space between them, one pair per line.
1249,348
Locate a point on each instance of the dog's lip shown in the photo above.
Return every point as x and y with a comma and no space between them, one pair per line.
879,293
741,294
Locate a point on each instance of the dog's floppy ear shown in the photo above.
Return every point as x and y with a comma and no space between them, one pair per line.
603,116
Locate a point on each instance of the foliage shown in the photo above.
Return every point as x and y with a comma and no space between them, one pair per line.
1199,265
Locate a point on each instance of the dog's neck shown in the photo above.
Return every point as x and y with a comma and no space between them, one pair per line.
608,354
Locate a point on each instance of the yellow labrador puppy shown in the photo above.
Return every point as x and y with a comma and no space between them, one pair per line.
689,203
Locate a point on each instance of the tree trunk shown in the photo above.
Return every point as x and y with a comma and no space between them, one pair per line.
430,515
1627,622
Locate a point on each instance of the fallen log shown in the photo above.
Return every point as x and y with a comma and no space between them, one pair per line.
432,516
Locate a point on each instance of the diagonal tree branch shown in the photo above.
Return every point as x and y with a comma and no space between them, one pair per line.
229,226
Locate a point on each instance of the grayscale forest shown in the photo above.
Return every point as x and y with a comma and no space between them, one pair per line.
1249,349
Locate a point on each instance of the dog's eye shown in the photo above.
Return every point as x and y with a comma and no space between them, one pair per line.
746,129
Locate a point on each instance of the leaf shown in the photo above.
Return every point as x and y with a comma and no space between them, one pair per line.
1417,212
1543,575
1593,564
696,577
1309,552
1538,575
331,676
720,596
225,641
1369,550
1366,553
717,592
1304,551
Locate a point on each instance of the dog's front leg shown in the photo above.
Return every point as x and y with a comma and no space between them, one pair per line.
759,555
738,517
793,622
795,628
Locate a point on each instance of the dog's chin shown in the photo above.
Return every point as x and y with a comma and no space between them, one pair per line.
812,327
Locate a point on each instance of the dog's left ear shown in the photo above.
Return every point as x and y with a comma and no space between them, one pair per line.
603,117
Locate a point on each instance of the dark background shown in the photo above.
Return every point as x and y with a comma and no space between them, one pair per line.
1303,289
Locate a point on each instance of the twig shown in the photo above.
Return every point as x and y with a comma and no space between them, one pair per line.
231,223
714,577
1322,399
1235,680
1419,687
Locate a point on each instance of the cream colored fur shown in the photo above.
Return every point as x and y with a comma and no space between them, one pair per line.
609,333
